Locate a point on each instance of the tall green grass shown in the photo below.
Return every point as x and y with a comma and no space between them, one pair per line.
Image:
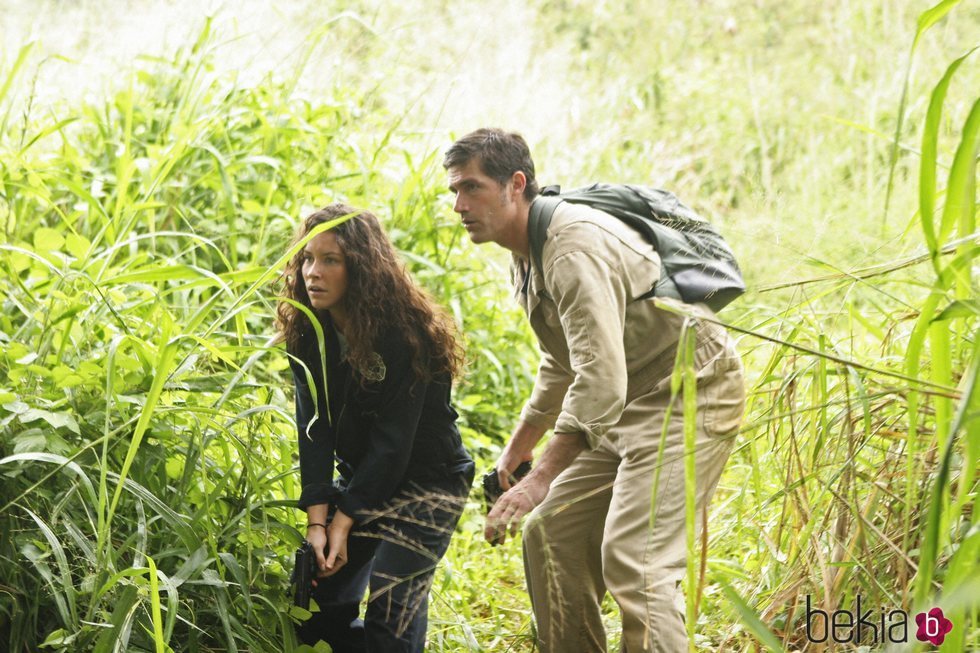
146,440
147,450
870,501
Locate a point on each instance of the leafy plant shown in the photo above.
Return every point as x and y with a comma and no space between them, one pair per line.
146,438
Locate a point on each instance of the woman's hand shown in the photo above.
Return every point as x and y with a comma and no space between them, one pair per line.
337,539
316,532
317,537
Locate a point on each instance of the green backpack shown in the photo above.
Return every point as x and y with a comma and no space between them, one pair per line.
697,263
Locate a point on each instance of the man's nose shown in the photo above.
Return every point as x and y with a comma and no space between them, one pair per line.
459,205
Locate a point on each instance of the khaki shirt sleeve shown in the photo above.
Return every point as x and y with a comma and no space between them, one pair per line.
552,380
550,386
590,291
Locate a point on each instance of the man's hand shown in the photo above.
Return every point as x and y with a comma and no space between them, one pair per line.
507,463
512,506
524,497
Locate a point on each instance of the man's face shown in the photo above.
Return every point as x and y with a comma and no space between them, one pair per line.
486,206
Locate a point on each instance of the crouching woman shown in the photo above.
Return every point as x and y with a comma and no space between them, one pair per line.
384,472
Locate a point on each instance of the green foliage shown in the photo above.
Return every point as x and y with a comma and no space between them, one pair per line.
146,438
148,447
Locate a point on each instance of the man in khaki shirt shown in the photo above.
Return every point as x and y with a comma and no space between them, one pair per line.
596,521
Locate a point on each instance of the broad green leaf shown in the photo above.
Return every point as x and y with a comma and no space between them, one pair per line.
16,407
58,638
56,420
47,239
77,246
251,206
29,441
175,467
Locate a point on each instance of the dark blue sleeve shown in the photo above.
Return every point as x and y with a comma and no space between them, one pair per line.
395,407
316,442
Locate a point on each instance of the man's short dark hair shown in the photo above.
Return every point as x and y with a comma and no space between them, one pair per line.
500,155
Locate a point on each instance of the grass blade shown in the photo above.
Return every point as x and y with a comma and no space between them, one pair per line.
158,635
751,620
936,515
927,19
18,63
927,169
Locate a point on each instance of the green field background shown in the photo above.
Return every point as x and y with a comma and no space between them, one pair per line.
155,159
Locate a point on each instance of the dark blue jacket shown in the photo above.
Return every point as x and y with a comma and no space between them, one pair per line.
381,435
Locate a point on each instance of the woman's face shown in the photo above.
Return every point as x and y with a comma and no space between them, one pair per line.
325,273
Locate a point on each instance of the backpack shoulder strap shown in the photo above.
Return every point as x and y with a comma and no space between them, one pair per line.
539,219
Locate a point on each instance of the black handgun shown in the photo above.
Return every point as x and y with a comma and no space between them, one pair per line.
491,483
303,574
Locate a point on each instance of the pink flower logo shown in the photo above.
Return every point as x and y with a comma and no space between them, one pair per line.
933,626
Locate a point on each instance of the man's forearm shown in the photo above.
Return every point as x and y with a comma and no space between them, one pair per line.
559,453
518,449
524,438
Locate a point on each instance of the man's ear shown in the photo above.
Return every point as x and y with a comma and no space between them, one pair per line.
519,181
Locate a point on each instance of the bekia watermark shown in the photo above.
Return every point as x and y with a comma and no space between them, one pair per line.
860,624
933,626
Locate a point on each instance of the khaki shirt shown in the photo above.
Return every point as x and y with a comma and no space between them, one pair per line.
601,346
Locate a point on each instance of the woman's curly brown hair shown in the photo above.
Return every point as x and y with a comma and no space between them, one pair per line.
380,296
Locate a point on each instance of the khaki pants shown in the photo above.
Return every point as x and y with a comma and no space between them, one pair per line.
592,533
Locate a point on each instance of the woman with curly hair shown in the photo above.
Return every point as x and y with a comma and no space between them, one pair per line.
382,412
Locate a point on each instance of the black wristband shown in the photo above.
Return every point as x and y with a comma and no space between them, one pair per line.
323,526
